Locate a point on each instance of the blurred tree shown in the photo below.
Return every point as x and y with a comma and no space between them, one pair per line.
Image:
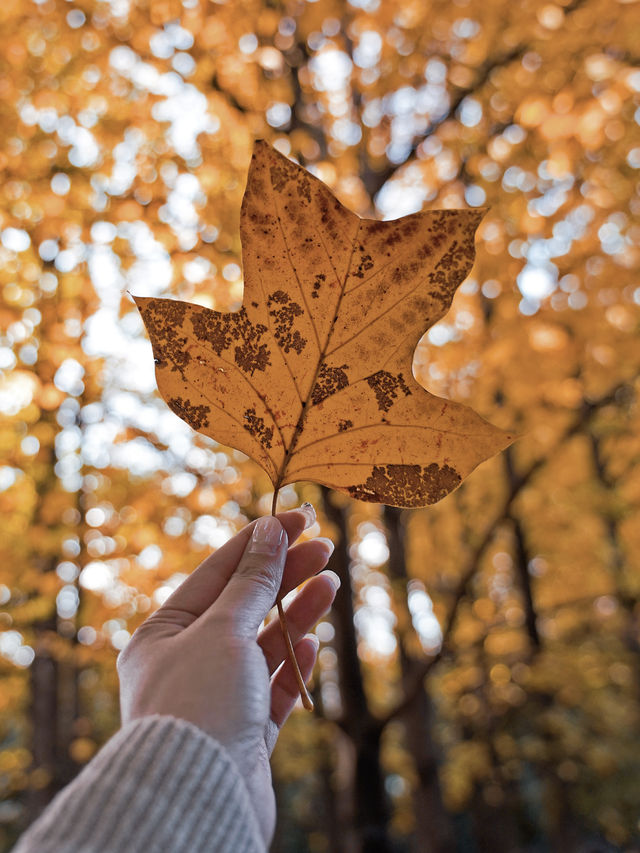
482,652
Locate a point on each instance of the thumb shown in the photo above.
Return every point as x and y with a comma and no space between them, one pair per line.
252,589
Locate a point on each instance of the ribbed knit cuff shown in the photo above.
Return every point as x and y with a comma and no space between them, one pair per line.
159,785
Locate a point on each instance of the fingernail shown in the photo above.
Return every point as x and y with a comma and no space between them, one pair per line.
267,535
310,513
326,542
333,577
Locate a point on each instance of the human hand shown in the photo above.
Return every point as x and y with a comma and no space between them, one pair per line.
203,658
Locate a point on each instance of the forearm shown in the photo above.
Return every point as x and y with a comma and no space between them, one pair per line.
159,784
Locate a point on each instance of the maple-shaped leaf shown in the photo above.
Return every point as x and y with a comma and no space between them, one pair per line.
312,377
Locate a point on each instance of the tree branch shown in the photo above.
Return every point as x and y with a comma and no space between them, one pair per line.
521,564
298,121
376,180
588,409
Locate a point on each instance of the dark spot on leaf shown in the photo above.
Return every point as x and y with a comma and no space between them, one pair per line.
376,227
393,238
407,485
386,387
365,263
163,319
451,268
195,416
282,171
284,312
220,331
172,351
280,174
254,424
344,425
251,357
168,312
330,380
260,218
317,284
424,252
329,219
304,187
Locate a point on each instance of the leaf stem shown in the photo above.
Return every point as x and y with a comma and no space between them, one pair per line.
307,701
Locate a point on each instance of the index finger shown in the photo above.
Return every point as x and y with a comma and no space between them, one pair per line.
203,586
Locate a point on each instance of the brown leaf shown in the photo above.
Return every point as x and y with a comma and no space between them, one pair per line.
312,377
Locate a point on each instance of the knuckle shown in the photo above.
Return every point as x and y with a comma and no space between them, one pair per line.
265,574
140,639
265,582
234,627
129,650
168,616
121,661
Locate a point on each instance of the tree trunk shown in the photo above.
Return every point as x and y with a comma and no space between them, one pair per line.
68,713
370,806
564,830
53,682
44,723
495,828
434,831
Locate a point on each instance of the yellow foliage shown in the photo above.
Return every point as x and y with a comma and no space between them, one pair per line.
82,749
400,108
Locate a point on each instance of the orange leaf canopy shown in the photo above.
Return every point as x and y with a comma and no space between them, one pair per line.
312,377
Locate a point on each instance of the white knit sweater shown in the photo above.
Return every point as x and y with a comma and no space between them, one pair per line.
159,785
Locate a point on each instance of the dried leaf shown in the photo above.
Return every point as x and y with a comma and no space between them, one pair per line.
312,377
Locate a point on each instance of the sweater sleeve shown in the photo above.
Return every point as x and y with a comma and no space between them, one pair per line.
159,785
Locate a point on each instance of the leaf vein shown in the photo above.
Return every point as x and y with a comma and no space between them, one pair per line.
295,272
387,426
306,407
370,323
286,363
228,414
249,383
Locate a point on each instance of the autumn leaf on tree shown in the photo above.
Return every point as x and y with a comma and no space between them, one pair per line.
312,377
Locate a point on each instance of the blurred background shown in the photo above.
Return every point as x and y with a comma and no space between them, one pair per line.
478,681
